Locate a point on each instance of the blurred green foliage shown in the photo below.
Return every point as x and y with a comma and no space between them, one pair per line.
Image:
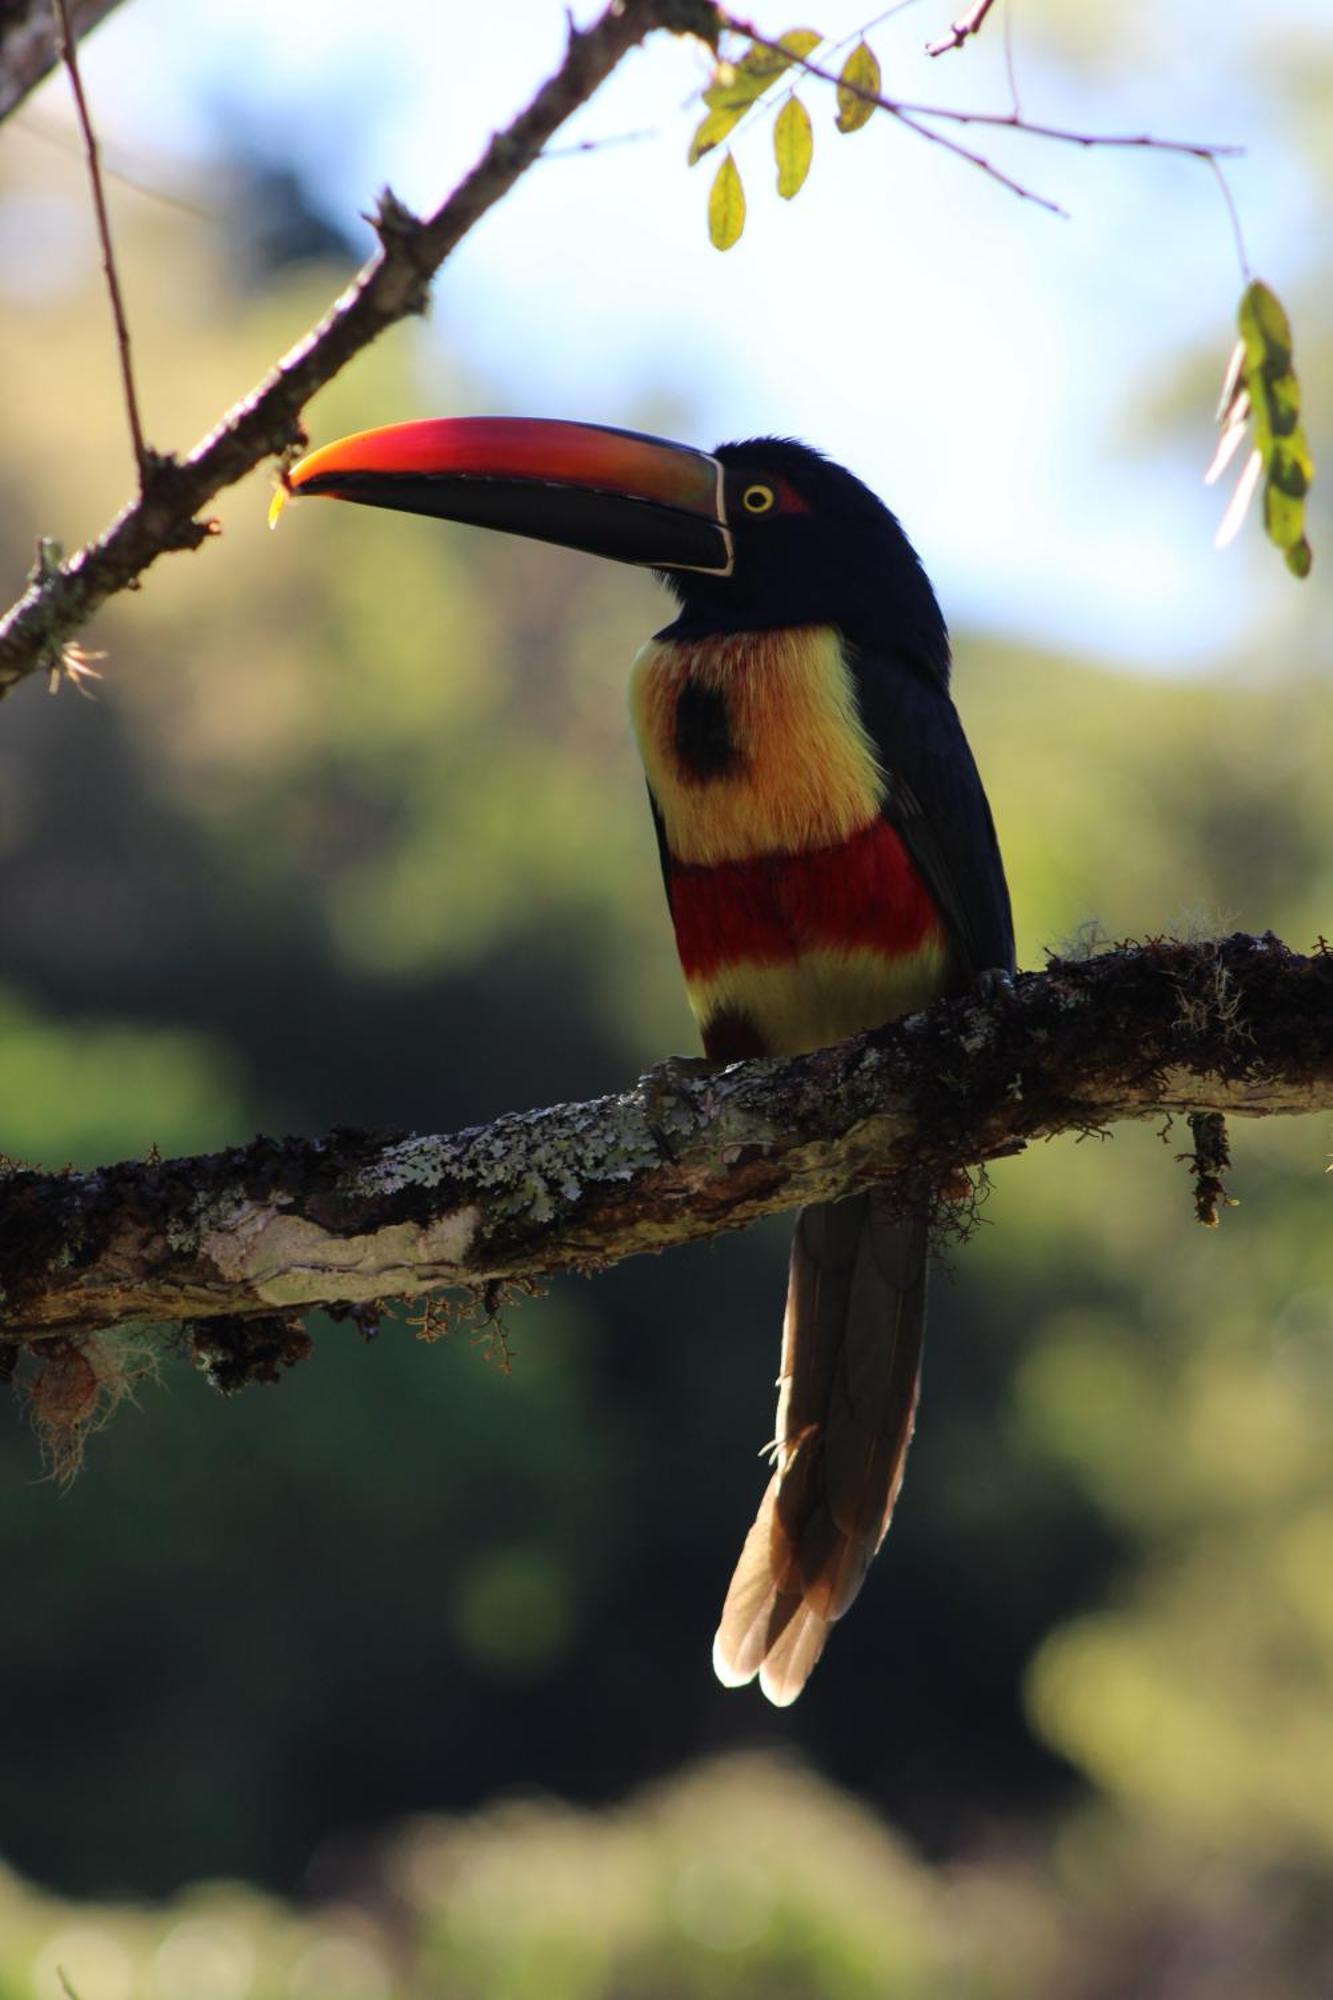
747,1878
353,832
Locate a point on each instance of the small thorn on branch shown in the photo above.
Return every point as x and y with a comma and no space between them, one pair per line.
48,561
183,536
392,218
1209,1162
402,236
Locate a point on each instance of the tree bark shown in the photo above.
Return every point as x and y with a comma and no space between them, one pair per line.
1240,1025
28,43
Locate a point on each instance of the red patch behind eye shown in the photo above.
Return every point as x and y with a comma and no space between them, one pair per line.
789,500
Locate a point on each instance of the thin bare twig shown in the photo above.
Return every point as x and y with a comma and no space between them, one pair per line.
911,119
1238,234
905,113
960,30
910,114
65,46
1015,103
601,145
33,127
1196,149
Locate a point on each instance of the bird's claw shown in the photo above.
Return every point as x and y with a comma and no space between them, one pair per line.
996,983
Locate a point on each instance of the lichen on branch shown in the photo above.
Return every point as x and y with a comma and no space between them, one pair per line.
1238,1026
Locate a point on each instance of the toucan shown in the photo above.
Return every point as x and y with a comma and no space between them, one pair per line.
830,863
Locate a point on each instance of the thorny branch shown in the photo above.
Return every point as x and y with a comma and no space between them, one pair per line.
62,596
260,1234
66,45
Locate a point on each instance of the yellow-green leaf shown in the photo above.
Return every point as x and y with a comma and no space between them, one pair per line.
793,147
1262,389
736,86
711,131
800,42
1265,328
726,206
860,73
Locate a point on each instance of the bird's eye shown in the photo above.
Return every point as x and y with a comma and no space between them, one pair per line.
758,499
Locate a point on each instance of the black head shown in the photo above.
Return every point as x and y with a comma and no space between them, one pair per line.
812,546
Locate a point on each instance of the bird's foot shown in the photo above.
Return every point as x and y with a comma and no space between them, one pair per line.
996,983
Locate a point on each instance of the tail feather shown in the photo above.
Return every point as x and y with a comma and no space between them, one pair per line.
851,1374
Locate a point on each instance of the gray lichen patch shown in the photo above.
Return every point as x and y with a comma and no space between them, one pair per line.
534,1168
185,1232
411,1163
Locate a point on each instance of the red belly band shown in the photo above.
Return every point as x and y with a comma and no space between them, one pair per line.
863,894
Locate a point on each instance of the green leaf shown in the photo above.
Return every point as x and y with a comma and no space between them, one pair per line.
711,131
800,42
726,206
1265,328
1262,389
736,86
793,147
860,72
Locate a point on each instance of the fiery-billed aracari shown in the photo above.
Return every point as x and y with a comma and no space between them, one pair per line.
829,860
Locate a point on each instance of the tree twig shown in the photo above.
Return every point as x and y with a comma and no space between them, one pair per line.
1239,1026
911,117
910,114
65,45
1237,233
960,30
392,286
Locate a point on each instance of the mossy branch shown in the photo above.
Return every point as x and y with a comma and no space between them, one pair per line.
1240,1025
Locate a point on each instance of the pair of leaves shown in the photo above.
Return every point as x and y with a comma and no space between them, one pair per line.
793,149
737,87
1261,385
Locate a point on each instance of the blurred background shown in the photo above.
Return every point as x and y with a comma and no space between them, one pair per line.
394,1679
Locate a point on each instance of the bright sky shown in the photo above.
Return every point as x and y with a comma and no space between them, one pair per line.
987,367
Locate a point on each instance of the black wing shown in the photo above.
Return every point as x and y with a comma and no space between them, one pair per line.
936,802
663,851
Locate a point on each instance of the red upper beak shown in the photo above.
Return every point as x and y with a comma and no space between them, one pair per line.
610,492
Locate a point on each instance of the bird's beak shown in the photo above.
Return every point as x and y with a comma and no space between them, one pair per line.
612,493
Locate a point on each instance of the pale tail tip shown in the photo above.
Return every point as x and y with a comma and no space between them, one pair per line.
782,1693
724,1669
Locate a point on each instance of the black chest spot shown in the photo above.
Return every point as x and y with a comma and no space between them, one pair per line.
704,745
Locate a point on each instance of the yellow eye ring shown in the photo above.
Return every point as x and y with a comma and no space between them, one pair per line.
758,499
